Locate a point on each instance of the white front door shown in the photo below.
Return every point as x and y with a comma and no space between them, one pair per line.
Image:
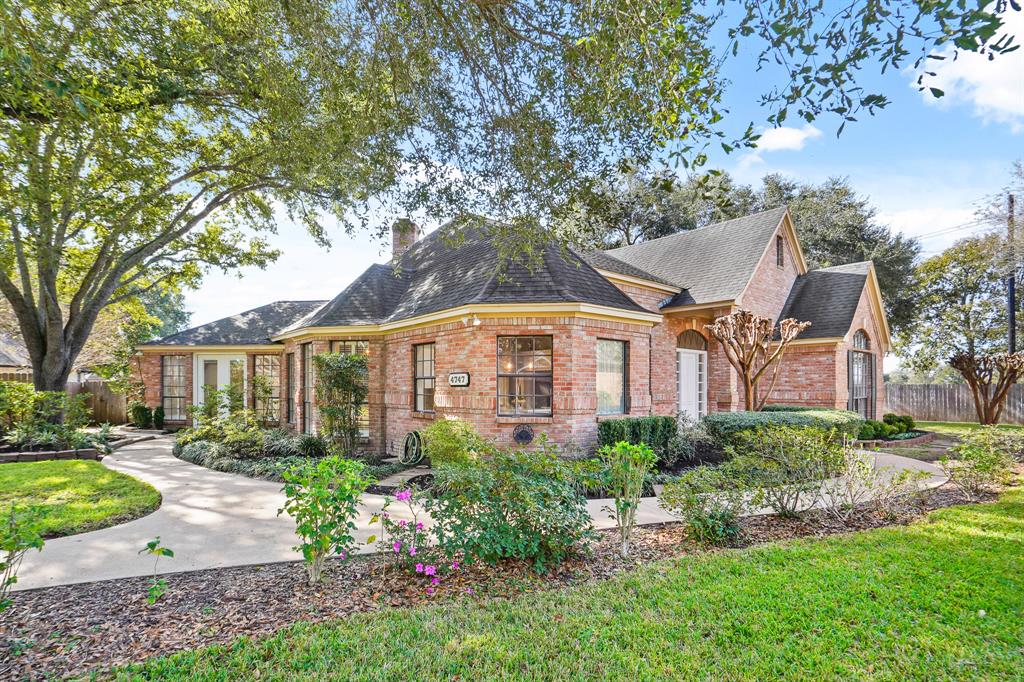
217,372
692,367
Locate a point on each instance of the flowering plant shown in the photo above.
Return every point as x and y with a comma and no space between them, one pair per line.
401,537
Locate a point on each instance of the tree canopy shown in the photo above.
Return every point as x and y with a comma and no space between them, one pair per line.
963,305
144,142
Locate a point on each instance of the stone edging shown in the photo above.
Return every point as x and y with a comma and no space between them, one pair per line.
84,453
923,438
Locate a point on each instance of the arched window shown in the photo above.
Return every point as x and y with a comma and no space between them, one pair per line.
861,376
692,340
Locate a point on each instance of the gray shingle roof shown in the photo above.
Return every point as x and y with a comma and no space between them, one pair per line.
435,275
253,327
712,263
827,298
602,260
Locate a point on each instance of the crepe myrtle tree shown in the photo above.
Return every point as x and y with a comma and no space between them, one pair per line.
146,142
989,377
750,346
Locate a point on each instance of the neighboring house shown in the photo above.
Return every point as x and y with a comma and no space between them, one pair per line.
13,355
578,338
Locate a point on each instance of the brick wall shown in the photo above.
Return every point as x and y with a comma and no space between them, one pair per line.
770,285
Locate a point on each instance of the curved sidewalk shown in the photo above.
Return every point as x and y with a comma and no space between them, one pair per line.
212,519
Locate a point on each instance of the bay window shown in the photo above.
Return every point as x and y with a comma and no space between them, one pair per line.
524,376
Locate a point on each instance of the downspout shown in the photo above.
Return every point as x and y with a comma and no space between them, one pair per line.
650,371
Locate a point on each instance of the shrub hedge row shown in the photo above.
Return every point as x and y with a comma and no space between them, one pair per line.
655,432
723,426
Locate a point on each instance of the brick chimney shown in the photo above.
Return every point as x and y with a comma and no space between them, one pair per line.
404,233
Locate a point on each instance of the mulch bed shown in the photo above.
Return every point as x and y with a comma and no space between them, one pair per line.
74,629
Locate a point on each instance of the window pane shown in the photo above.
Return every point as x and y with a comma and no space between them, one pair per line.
423,377
173,381
524,375
611,376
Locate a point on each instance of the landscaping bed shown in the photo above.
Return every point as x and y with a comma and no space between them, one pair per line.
71,630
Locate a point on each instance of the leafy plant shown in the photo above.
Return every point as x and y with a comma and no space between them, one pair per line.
142,415
786,465
157,586
724,427
311,445
628,466
18,534
979,461
158,417
402,538
262,398
453,441
710,501
855,482
323,498
515,504
341,391
654,431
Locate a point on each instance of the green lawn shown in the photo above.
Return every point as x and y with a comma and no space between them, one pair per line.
75,495
960,428
940,600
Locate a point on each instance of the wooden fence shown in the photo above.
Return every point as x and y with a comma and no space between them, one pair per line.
106,405
947,402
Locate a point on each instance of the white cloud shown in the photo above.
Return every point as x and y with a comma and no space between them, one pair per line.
783,139
786,139
994,87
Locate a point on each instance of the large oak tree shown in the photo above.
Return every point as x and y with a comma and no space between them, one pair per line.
142,142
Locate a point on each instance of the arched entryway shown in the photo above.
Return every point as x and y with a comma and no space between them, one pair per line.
861,376
692,372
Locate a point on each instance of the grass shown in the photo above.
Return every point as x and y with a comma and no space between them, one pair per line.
960,428
75,495
941,599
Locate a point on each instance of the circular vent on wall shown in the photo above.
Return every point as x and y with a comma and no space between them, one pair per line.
523,434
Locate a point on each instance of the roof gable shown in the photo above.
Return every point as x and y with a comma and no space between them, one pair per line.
713,263
828,299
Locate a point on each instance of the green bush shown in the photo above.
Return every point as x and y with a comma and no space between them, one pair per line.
453,441
311,445
515,504
323,498
142,416
158,417
903,423
979,461
19,532
17,402
658,433
724,427
627,468
710,502
786,465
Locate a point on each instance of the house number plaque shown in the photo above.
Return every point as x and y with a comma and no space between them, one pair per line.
458,379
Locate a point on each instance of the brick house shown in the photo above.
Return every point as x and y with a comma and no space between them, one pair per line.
577,338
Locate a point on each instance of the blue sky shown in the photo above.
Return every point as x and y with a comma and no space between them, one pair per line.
923,163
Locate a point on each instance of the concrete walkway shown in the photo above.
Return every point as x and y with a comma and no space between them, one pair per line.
212,519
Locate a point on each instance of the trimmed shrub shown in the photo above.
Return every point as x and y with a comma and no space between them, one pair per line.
655,432
142,416
979,461
158,417
516,504
786,465
902,422
724,427
453,441
710,501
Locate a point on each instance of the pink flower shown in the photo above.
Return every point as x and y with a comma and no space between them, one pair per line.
430,570
430,590
343,555
397,546
412,551
469,590
384,515
419,525
402,523
403,495
455,565
435,581
419,568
